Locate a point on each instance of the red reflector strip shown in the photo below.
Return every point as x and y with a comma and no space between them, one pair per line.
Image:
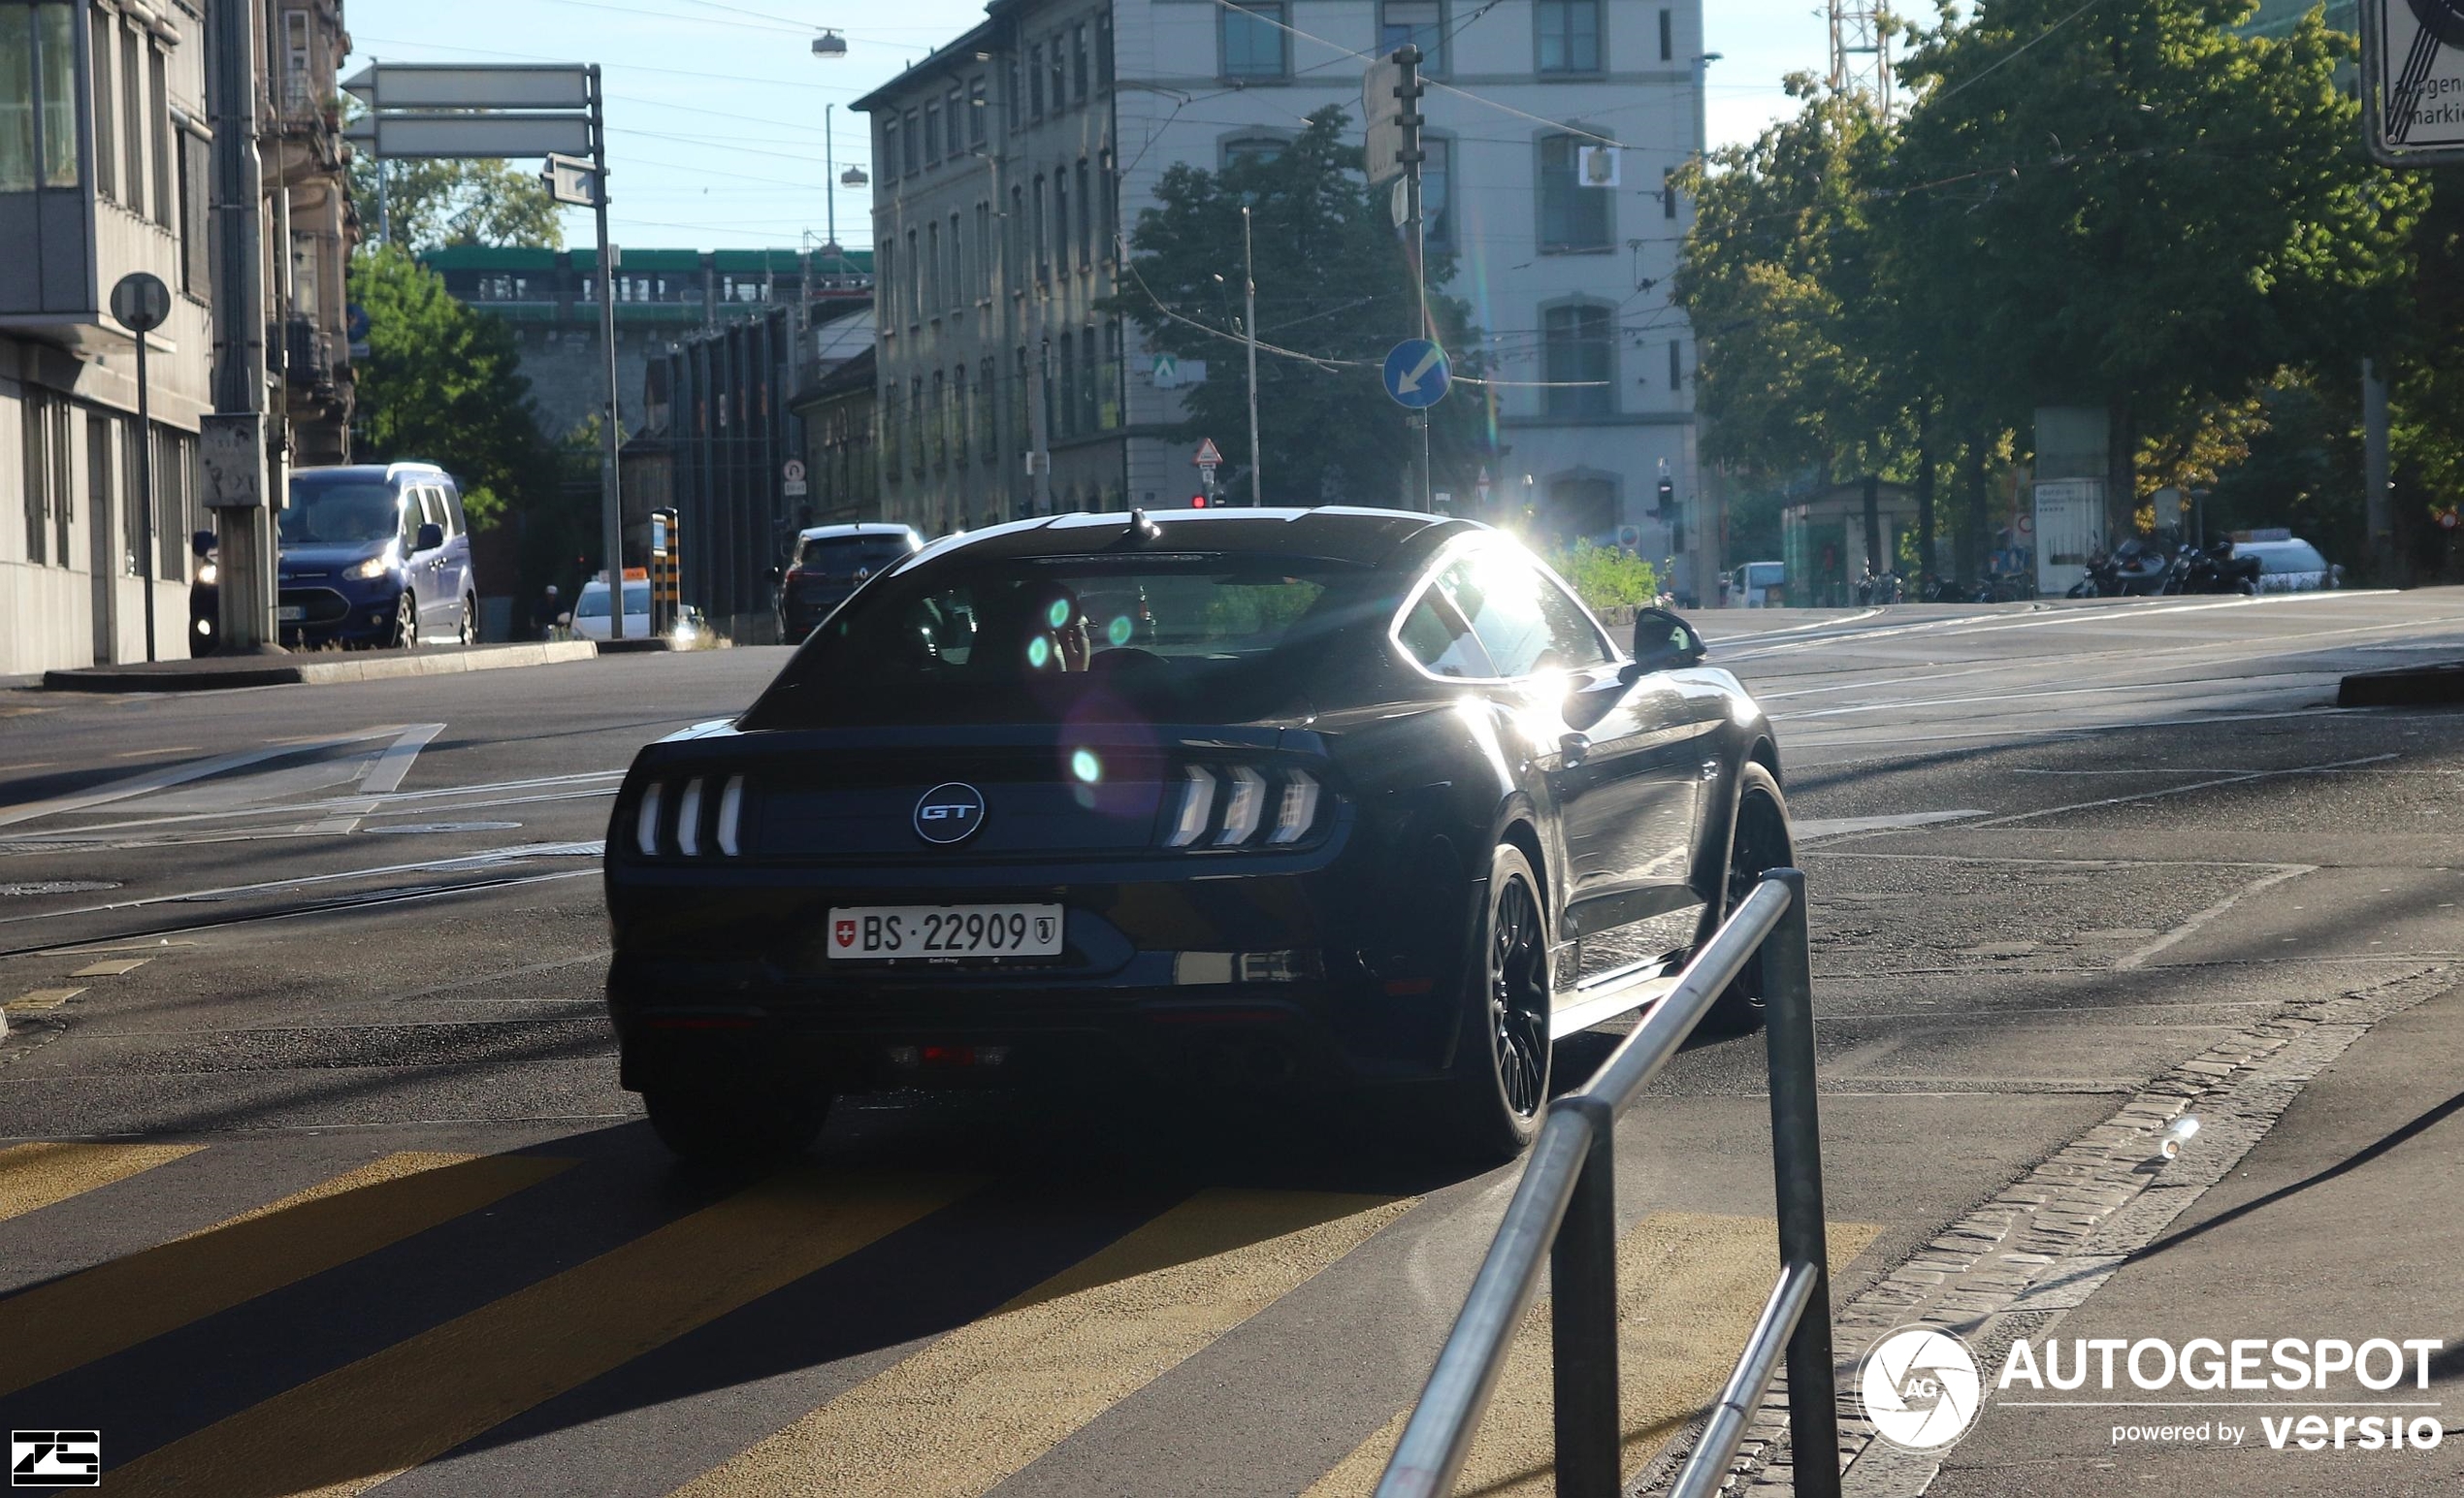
948,1055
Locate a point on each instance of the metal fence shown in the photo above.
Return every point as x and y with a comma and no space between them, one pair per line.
1565,1210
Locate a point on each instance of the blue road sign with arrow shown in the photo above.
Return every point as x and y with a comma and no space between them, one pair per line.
1418,374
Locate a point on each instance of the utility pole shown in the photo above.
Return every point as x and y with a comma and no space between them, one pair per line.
829,180
1039,422
237,432
610,491
1248,325
2377,521
1411,156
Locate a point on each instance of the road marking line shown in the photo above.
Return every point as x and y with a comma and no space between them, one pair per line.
978,1404
364,1424
116,968
71,1321
383,777
2187,928
172,775
2180,790
34,1176
1808,828
34,999
1689,1288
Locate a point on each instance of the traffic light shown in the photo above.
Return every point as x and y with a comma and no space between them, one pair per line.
1197,501
1667,500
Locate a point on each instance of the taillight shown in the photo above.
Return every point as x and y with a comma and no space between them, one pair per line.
1242,806
692,829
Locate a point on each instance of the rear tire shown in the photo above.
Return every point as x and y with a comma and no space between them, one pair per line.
1500,1087
1758,842
467,633
405,633
722,1128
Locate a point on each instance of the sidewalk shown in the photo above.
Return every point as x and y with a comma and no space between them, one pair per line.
312,668
2345,1222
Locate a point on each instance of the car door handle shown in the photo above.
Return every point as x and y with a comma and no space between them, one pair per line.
1573,747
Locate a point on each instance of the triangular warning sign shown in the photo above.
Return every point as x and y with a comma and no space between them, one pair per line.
1209,455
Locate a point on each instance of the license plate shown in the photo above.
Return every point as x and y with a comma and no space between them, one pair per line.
876,932
290,613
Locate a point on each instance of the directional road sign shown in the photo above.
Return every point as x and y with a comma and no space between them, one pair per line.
1417,374
400,137
1380,118
426,85
2413,70
571,180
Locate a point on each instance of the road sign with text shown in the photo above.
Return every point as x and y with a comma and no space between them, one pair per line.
2413,80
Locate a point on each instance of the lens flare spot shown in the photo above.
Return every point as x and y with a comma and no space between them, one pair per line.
1085,796
1119,630
1086,766
1058,613
1039,651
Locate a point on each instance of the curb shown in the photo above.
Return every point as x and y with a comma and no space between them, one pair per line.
2410,686
212,674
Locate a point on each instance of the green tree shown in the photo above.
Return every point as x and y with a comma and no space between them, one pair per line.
431,204
1334,293
442,382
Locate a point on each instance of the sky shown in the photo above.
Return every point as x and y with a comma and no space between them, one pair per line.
716,111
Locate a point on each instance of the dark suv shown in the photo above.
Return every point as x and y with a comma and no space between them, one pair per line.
829,562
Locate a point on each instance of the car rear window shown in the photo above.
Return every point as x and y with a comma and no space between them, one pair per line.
2289,557
594,601
844,554
1024,638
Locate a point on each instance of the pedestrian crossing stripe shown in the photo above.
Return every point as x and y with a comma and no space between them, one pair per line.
363,1425
983,1401
68,1323
35,1176
1689,1289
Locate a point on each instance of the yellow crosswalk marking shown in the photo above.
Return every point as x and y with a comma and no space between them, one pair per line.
37,1175
70,1322
1689,1288
984,1401
357,1426
115,967
33,1000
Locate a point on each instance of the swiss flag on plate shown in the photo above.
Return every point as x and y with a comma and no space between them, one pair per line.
847,934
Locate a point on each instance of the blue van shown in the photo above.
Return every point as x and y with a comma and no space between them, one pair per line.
376,554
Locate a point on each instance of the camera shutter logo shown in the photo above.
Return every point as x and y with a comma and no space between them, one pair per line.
55,1458
950,813
1919,1388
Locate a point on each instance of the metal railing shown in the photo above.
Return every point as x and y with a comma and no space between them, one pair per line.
1565,1209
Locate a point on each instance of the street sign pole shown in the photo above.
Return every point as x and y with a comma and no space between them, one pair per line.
141,302
1407,93
1248,279
611,491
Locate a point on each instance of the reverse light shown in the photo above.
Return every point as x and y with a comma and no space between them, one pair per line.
1241,814
1197,805
646,822
731,814
1296,809
689,819
376,566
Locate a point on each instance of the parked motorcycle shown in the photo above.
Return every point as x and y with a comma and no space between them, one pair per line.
2217,569
1885,587
2135,569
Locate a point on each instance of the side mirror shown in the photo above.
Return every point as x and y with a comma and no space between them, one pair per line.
431,537
202,541
1662,642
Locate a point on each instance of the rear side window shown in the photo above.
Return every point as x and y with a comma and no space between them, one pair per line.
1442,640
837,555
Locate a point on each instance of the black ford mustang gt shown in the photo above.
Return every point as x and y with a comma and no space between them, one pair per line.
1342,796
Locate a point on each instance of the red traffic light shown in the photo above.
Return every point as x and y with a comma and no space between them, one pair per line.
1197,501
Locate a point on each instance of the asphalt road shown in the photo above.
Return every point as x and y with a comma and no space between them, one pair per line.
314,1175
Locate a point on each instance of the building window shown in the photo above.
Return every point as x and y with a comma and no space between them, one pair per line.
1253,39
1061,218
1077,62
976,111
954,108
1089,406
940,420
106,118
1580,508
1109,396
195,237
1573,216
299,77
1060,72
46,449
1668,194
1676,368
1668,36
1420,24
956,292
1014,273
1108,224
987,405
1068,401
933,277
916,425
1569,35
1035,81
910,161
132,114
1436,202
174,500
917,269
1257,149
961,432
890,146
1043,236
1104,47
166,140
1085,212
1579,361
932,135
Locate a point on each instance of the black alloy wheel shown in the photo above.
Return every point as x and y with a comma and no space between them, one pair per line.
717,1126
1757,843
467,633
406,622
1501,1066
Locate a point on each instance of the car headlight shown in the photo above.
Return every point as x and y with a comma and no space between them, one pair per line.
376,566
208,573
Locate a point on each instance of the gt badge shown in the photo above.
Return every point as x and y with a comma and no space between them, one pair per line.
950,813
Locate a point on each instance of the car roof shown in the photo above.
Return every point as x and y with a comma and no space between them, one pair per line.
1373,538
388,472
814,532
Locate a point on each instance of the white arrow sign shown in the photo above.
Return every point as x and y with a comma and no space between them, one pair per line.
1429,361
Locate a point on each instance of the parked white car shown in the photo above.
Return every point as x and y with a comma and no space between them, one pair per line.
1751,586
2290,566
590,610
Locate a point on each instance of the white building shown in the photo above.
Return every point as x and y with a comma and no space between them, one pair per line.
1040,134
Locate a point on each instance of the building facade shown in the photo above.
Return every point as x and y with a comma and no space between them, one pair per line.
1009,165
105,170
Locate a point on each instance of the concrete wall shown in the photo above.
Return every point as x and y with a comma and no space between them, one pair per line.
567,371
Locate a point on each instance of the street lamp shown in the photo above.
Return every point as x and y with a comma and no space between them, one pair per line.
829,43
